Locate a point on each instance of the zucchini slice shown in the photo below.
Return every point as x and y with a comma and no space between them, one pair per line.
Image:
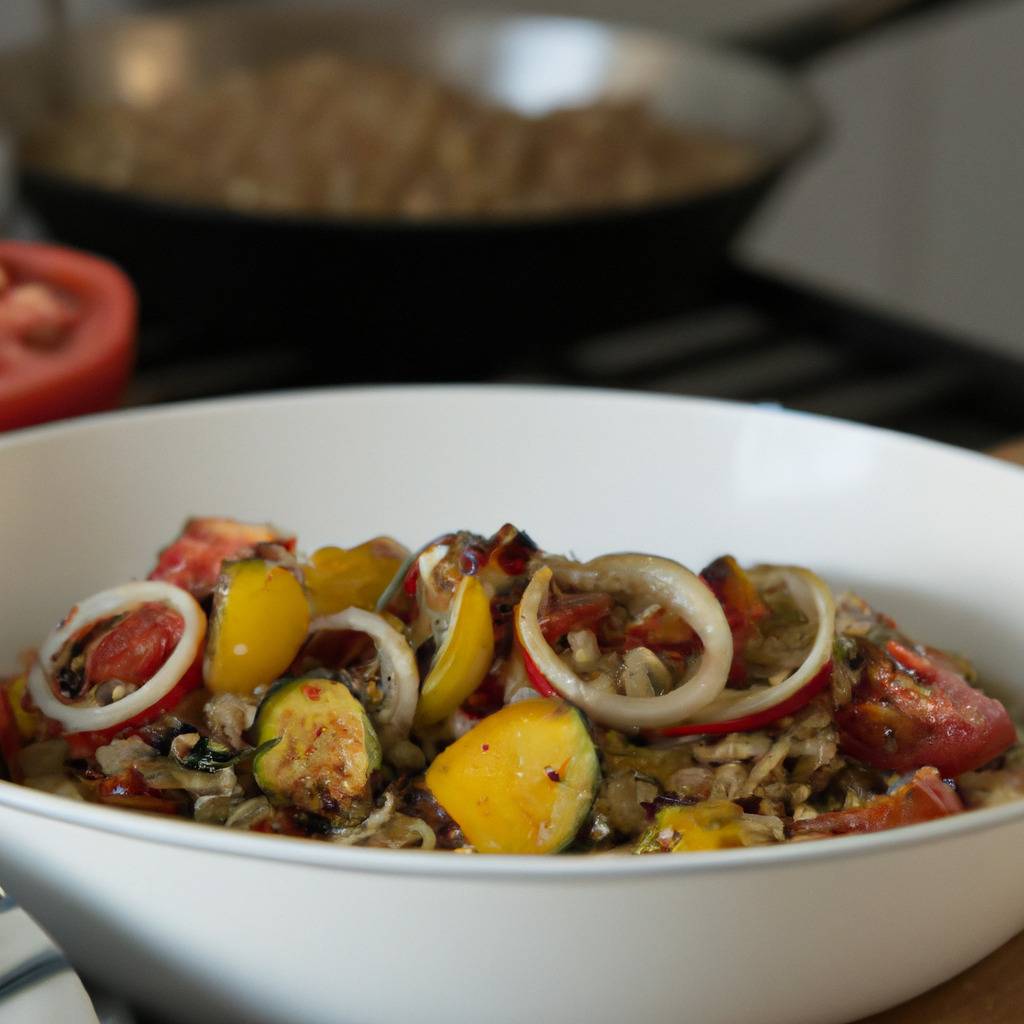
327,752
522,780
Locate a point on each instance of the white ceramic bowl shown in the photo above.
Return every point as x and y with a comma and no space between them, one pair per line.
208,924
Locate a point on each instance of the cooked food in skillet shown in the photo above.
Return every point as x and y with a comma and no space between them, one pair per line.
329,136
483,695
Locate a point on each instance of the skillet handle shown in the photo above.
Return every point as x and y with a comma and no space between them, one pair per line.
802,39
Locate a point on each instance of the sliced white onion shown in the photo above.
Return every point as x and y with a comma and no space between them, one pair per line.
678,591
105,605
398,670
814,599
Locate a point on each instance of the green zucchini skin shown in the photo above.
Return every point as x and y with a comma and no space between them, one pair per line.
327,754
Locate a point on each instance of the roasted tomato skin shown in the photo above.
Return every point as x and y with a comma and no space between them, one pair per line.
135,648
910,709
193,561
923,798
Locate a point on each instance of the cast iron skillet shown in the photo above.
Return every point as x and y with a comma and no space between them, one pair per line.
393,299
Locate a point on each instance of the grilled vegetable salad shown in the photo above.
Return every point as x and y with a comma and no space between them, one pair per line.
483,695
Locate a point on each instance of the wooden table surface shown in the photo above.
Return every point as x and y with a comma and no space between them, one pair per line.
991,992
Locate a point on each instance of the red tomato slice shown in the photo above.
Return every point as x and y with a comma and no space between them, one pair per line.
68,350
911,709
85,744
923,798
134,649
193,561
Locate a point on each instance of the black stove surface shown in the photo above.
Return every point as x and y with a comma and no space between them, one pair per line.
755,338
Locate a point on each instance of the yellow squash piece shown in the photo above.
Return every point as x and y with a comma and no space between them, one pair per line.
27,722
259,621
712,825
465,656
354,578
522,780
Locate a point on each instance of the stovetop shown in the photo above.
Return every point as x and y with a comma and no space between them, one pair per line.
755,338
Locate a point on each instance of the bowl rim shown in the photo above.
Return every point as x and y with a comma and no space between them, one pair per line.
440,864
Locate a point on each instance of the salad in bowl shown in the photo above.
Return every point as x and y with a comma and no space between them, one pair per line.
480,694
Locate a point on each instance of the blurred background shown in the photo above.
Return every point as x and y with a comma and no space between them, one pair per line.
878,280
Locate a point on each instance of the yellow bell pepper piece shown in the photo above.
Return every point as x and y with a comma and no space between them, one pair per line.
26,722
354,578
259,621
712,825
465,656
521,780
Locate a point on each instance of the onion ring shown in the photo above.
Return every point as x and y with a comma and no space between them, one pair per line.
103,605
814,599
678,590
397,668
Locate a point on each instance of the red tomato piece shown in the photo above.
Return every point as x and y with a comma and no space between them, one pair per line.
923,798
36,314
911,709
136,647
85,744
193,561
67,333
569,612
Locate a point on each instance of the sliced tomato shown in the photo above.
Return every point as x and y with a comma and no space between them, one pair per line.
569,612
67,333
912,708
193,561
136,647
923,798
85,744
741,603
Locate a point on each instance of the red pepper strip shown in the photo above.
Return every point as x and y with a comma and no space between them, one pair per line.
412,577
536,677
85,744
923,798
574,612
786,707
10,738
916,663
128,789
